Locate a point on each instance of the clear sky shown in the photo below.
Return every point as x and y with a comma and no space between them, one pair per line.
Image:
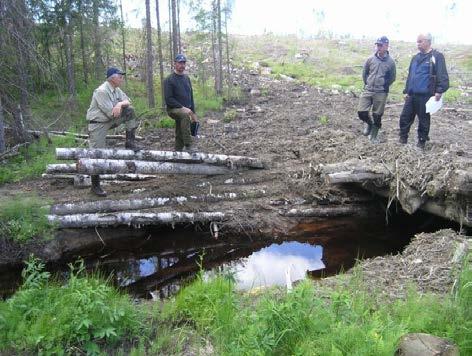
446,20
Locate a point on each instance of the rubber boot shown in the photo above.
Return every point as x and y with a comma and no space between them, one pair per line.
367,129
373,134
364,116
96,188
130,142
421,145
403,140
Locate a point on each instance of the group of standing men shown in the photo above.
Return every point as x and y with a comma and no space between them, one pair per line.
427,77
111,107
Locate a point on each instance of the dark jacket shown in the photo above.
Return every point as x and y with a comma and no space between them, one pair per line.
427,74
178,92
379,73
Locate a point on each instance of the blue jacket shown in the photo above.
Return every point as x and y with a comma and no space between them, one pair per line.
427,74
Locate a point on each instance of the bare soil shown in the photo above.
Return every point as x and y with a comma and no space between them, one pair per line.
293,128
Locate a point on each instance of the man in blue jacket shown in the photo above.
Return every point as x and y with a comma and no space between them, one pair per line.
427,76
378,74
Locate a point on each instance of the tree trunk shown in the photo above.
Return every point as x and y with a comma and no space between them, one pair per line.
76,135
149,66
107,206
103,166
97,45
132,219
172,156
179,40
175,33
2,129
171,49
82,180
123,43
228,64
82,42
213,45
159,54
219,88
69,54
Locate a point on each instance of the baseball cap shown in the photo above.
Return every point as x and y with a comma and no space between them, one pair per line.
180,58
382,40
113,70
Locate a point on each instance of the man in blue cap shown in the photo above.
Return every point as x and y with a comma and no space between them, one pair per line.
110,107
378,74
180,105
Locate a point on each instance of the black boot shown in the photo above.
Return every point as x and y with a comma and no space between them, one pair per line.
364,116
373,134
367,129
130,143
96,188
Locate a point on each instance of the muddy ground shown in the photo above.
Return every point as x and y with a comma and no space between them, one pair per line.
293,128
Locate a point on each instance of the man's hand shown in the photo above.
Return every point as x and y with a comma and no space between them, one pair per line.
406,96
438,96
118,108
193,117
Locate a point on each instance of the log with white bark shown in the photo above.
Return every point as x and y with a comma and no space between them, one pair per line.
438,208
171,156
102,206
327,211
354,165
353,177
77,135
132,219
61,168
105,166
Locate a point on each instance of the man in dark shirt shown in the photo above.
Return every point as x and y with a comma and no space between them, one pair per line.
427,77
180,106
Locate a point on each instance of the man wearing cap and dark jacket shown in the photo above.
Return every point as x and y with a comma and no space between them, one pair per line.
378,74
427,77
180,106
110,107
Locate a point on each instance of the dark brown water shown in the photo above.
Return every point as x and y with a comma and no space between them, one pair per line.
159,264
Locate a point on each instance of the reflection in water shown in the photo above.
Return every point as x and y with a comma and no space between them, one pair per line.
268,267
163,260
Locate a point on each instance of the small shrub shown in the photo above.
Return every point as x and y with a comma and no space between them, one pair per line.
324,119
229,115
82,315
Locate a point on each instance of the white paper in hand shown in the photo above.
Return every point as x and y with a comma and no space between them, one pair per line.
432,106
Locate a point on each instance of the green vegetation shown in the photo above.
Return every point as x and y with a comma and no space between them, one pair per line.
349,321
48,318
86,314
229,115
33,160
24,217
324,119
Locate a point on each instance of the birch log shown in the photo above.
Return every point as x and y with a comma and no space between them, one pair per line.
61,168
222,160
104,166
77,135
352,177
328,211
132,219
105,206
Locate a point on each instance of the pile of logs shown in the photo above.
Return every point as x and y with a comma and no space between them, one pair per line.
119,164
452,201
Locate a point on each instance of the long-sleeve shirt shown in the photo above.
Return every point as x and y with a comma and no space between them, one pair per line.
104,99
379,73
178,92
427,74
